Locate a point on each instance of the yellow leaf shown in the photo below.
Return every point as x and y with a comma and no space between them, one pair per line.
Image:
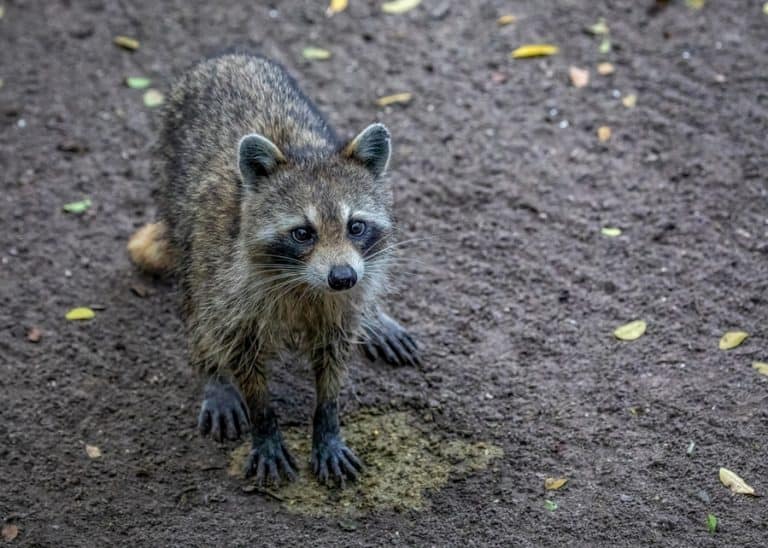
126,42
506,20
604,133
735,483
153,98
732,339
316,54
579,76
631,331
336,6
629,101
761,367
93,451
605,68
80,313
610,231
395,98
534,50
553,484
399,6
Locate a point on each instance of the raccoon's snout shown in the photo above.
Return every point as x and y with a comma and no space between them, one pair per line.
342,277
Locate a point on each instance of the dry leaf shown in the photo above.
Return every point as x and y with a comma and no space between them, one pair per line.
631,331
534,50
604,133
579,76
80,313
336,6
10,531
552,484
761,367
316,54
605,68
153,98
765,8
395,98
126,42
34,334
732,339
399,6
695,4
600,28
506,20
610,231
735,483
93,451
629,101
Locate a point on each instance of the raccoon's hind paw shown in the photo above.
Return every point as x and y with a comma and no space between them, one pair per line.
223,414
268,459
388,340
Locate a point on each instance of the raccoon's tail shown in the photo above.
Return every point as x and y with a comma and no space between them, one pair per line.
151,250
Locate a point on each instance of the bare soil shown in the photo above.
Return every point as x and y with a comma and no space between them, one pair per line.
511,287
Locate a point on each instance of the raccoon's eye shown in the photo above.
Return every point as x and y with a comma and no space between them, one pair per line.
356,228
301,234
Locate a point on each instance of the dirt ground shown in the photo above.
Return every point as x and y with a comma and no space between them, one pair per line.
512,289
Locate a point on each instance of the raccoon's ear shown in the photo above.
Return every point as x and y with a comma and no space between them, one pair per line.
257,157
371,148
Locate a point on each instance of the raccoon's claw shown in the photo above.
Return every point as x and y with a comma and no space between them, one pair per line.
388,340
223,414
268,459
332,459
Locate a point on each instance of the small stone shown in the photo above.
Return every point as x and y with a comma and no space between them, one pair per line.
34,334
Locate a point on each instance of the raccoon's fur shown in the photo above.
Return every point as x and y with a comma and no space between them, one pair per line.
280,234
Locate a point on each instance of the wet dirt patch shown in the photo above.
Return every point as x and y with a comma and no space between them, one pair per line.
403,463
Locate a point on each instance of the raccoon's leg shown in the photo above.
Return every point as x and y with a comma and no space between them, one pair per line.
269,456
223,413
330,455
388,340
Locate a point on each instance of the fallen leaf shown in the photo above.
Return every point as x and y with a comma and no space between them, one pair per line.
600,28
80,313
629,101
631,331
711,523
77,207
316,54
550,505
552,484
534,50
691,447
695,4
399,6
34,334
2,11
139,290
604,133
137,82
761,367
395,98
579,76
610,231
732,339
336,6
605,68
506,20
93,451
10,531
735,483
126,42
605,46
153,98
765,8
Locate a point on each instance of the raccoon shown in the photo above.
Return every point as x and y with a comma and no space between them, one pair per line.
280,235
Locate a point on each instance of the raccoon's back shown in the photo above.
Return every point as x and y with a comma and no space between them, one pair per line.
207,112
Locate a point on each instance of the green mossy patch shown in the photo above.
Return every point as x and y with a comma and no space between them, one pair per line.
402,463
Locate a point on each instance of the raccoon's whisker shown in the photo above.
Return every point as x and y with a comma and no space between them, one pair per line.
283,258
391,247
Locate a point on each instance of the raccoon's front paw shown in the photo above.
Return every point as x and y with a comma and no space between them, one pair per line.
388,340
223,414
268,459
332,458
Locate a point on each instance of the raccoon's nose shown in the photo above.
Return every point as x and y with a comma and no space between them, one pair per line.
342,277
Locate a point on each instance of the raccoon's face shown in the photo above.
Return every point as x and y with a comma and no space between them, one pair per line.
322,225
